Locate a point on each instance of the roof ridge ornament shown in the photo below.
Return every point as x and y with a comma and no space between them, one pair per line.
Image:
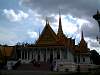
47,21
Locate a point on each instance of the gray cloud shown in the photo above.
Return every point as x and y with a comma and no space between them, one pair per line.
83,9
13,17
75,7
94,44
90,30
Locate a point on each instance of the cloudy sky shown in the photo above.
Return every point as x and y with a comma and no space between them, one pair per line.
23,20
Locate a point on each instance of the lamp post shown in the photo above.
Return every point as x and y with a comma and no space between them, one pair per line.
98,39
97,18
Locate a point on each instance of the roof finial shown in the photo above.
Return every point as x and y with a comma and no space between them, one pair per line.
59,13
97,11
47,22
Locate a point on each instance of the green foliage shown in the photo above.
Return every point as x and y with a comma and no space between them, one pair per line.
95,57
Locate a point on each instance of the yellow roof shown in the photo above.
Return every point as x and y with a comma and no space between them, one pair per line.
47,36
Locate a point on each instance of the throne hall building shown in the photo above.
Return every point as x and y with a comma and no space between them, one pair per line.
51,46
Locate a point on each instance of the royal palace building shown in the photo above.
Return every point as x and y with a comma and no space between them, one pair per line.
51,46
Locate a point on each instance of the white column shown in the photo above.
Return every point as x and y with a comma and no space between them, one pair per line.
27,54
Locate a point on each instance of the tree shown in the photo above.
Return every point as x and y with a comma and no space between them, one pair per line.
95,57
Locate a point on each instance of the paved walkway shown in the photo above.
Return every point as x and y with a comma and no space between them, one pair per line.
15,72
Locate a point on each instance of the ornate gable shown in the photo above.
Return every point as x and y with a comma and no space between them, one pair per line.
83,45
47,36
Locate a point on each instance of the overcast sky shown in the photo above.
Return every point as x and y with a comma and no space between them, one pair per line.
23,20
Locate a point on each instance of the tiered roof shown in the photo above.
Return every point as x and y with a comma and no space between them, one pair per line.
49,37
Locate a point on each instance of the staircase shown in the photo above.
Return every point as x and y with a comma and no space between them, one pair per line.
42,66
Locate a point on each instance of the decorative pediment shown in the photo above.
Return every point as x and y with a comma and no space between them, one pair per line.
47,36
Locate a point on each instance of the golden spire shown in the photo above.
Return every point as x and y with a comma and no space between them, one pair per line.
82,35
60,31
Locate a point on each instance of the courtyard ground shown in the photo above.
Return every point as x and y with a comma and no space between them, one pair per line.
15,72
